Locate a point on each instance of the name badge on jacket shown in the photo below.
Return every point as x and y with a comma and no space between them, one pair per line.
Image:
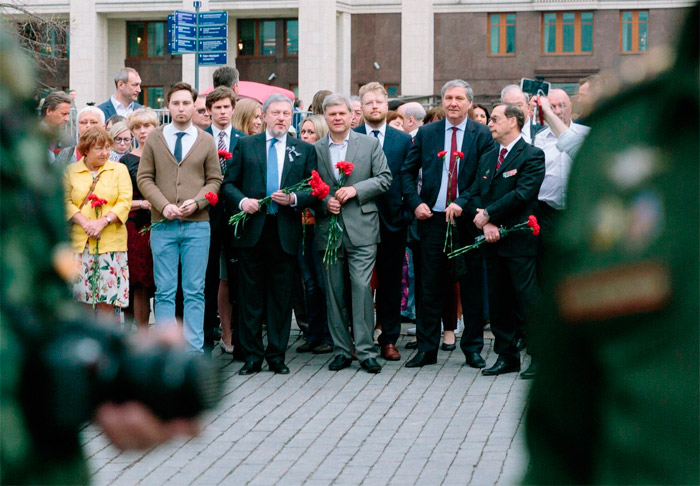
510,173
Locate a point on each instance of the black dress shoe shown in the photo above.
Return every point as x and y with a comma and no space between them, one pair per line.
411,345
502,366
421,359
322,348
370,365
278,367
448,347
306,347
249,368
521,343
475,360
530,372
339,362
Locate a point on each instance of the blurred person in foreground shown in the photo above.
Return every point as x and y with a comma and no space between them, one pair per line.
617,393
37,444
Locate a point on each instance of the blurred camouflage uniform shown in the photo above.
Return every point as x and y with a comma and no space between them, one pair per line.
616,397
32,226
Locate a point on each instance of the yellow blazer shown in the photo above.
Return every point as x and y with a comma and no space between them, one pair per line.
114,186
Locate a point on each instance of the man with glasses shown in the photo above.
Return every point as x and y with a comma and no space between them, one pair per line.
201,117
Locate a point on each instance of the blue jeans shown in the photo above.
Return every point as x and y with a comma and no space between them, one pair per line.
185,243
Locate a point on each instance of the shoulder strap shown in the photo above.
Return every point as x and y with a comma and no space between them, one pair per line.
92,188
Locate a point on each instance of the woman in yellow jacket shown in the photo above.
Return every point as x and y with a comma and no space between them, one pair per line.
98,199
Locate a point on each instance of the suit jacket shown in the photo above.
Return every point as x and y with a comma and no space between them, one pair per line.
509,195
246,176
371,177
428,142
219,214
392,212
108,108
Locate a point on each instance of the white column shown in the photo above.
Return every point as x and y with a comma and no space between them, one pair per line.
116,33
205,72
88,54
417,47
318,48
344,53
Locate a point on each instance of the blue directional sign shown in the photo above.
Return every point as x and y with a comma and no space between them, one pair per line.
213,18
183,17
183,44
213,59
213,32
185,30
213,45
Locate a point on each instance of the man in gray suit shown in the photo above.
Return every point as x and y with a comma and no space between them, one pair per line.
354,203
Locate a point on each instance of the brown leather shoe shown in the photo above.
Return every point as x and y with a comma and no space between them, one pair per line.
390,353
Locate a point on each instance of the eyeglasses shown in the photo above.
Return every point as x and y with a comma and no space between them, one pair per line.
202,111
122,140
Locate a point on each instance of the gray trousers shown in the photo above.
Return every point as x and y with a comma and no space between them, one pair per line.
355,262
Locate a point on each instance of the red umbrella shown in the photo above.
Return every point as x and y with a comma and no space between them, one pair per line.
256,91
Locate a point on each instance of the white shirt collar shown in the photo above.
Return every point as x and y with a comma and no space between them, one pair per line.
382,129
510,145
345,140
117,104
462,126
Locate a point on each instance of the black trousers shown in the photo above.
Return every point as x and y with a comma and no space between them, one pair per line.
211,288
390,257
471,293
512,288
265,285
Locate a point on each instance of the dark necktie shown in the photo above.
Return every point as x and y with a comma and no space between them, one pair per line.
452,175
375,133
222,146
178,146
272,184
501,158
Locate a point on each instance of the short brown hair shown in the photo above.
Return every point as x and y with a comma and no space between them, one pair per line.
219,94
93,136
513,111
53,100
181,87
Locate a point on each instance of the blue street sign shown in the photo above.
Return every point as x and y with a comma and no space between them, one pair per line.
213,45
171,23
213,18
185,31
213,59
183,17
213,32
183,44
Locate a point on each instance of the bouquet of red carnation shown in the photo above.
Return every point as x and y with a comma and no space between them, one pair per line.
96,203
335,231
319,190
530,224
210,197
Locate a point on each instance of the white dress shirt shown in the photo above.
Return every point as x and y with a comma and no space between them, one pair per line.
188,140
441,203
382,133
557,166
509,147
338,151
121,109
227,138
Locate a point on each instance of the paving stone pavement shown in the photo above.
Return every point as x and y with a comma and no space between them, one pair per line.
442,424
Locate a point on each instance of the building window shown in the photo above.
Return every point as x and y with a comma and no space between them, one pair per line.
152,96
48,39
392,90
291,34
567,33
501,34
634,31
257,37
145,39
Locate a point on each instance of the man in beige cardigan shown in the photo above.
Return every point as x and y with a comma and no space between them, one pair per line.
178,167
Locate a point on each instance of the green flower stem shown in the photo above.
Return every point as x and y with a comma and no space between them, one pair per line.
481,239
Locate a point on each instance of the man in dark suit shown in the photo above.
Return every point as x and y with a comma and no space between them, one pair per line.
220,103
356,209
442,199
262,165
123,101
505,194
393,219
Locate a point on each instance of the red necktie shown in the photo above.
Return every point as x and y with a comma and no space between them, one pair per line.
501,158
452,175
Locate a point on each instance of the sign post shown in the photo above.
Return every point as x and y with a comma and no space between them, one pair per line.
197,4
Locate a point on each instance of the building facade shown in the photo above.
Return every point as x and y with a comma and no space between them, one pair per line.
412,46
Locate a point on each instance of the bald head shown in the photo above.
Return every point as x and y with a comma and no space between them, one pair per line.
413,114
561,105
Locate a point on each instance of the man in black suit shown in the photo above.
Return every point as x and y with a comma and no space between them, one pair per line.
441,201
505,194
263,165
220,103
393,219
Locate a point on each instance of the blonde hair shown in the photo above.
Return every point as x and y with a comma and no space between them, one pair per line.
142,116
244,114
373,86
319,123
118,128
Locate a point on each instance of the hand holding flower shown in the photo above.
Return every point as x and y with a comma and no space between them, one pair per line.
250,206
171,211
480,220
333,206
282,198
188,207
491,233
344,194
453,211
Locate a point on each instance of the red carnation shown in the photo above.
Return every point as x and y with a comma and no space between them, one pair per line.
210,196
345,167
459,155
532,223
320,188
96,202
224,155
442,154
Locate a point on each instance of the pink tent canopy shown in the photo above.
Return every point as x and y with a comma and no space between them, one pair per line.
256,91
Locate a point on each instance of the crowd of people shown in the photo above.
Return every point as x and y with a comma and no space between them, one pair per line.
141,203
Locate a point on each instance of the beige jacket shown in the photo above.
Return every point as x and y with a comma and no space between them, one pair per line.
163,181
